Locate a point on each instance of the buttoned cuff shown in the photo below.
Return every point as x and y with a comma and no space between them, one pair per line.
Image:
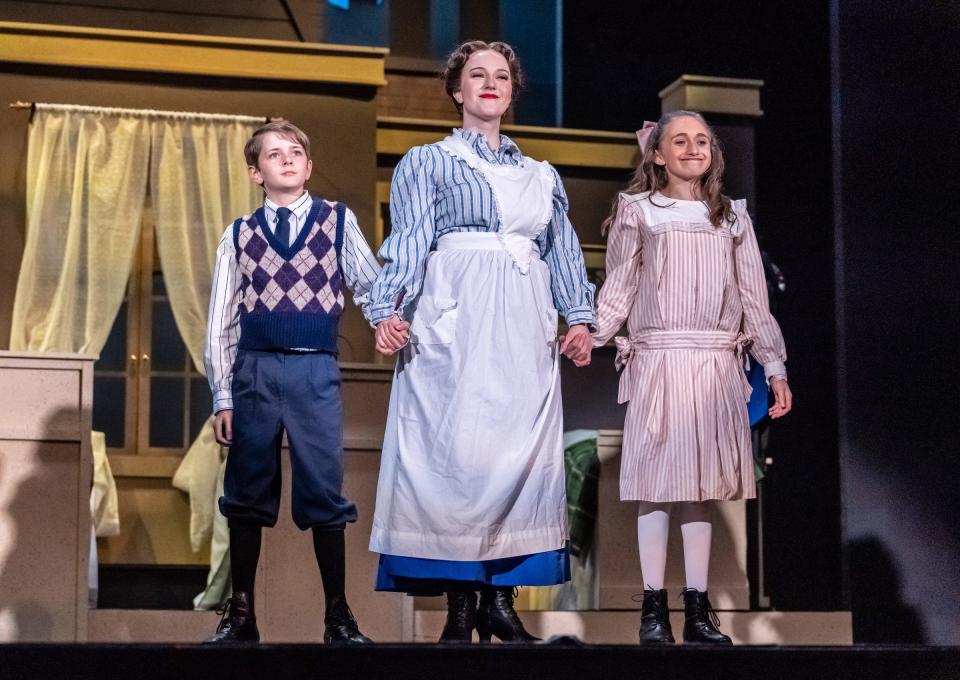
379,313
222,400
578,315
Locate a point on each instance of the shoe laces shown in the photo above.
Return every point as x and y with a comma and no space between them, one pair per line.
341,610
657,607
453,603
638,597
224,612
707,606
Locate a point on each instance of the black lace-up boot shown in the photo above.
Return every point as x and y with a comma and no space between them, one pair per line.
655,619
496,616
702,625
341,627
461,616
237,622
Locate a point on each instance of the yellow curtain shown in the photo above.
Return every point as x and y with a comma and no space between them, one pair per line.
199,181
86,183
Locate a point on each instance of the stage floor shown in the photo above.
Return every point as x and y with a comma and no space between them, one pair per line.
495,662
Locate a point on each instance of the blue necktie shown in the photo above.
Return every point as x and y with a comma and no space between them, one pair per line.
283,226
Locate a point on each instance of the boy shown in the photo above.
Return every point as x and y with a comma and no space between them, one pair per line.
271,359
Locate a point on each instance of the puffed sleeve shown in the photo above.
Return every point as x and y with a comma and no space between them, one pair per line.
758,323
404,252
560,249
623,263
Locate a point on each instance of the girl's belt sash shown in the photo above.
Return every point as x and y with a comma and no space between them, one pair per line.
658,341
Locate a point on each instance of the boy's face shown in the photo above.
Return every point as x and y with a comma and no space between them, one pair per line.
284,166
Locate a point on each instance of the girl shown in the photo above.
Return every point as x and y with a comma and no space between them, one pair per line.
481,257
684,271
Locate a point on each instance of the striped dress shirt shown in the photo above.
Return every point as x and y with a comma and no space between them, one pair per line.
433,194
358,264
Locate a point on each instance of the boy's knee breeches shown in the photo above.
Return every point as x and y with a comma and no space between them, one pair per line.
298,393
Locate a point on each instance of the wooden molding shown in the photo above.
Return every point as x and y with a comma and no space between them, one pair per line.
82,47
560,146
709,94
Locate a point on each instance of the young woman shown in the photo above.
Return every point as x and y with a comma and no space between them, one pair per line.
480,258
684,271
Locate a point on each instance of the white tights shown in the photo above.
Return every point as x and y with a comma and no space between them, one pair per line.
653,527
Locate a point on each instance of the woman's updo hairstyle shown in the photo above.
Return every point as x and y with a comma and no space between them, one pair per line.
453,68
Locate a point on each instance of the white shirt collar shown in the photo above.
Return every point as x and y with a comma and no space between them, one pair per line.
300,208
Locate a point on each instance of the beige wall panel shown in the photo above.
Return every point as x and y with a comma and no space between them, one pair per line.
154,526
40,551
150,625
29,391
366,395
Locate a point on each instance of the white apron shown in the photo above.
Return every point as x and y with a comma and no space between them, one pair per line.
472,465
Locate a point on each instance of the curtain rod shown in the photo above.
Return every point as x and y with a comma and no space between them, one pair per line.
148,113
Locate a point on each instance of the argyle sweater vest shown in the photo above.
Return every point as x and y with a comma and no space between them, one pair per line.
291,297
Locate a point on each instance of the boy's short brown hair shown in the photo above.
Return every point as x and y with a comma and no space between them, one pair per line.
283,128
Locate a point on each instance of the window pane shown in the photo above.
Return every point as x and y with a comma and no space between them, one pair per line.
166,347
113,356
201,405
109,406
159,285
166,412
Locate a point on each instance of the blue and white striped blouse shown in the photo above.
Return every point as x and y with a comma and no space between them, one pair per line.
433,194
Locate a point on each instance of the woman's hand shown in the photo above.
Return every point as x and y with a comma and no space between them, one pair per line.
783,398
392,334
577,344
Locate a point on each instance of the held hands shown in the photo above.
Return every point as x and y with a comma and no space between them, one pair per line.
577,344
392,334
223,427
783,398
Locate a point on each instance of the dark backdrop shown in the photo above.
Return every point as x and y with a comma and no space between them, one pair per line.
895,112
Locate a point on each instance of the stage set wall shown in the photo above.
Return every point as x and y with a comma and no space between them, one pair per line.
342,121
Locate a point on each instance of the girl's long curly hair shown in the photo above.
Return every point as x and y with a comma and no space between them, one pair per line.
652,177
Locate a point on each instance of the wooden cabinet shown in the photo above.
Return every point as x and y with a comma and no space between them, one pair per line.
46,470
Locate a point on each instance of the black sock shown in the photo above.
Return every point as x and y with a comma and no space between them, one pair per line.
244,555
328,546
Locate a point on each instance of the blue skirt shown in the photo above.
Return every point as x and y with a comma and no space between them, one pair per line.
421,576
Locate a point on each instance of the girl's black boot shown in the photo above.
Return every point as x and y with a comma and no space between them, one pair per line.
496,616
461,616
701,626
655,619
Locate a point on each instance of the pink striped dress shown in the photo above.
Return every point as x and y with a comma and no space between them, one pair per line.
695,301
